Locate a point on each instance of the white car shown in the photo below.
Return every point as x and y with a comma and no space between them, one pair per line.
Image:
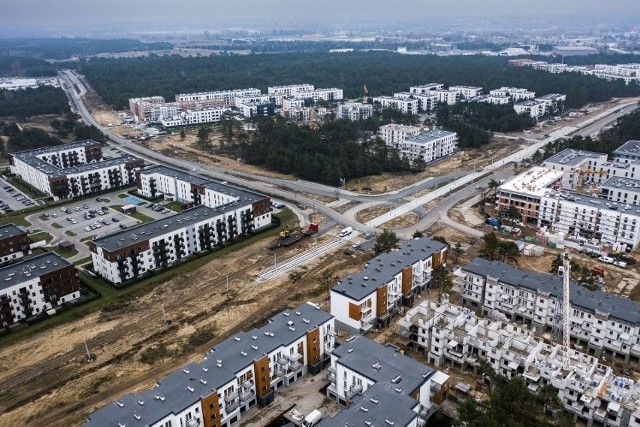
87,228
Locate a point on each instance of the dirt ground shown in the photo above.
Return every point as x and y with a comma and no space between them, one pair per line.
370,213
196,306
401,221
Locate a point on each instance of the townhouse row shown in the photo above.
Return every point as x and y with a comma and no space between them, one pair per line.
367,299
240,372
32,286
628,73
73,170
219,213
251,367
602,323
454,336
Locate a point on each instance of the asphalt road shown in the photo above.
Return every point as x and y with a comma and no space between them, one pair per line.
257,183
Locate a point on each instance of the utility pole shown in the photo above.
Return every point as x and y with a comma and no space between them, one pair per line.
164,315
227,284
86,347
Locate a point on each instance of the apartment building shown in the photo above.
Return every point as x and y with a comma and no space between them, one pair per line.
429,146
289,104
454,336
355,111
629,152
325,94
222,97
493,99
621,190
602,323
14,243
34,285
589,217
380,386
366,299
467,92
394,134
73,170
240,372
533,108
300,115
579,167
446,96
144,109
552,101
261,99
254,109
189,117
406,105
289,90
629,73
425,89
514,93
426,102
526,190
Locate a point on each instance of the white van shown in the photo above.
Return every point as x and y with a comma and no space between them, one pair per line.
346,231
312,419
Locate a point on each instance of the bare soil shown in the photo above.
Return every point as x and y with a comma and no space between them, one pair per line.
43,376
368,214
401,221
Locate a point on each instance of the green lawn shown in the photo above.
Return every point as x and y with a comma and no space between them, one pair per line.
83,261
123,195
70,233
64,254
43,235
44,218
17,220
137,215
25,188
174,206
56,225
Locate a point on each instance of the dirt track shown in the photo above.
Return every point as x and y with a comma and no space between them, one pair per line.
46,378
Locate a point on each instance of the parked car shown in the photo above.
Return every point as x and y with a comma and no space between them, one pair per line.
87,228
122,226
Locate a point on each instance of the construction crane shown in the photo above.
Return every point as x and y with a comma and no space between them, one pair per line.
562,320
581,175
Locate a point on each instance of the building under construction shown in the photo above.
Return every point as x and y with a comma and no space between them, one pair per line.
451,335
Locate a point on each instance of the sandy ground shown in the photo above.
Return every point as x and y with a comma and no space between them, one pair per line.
196,305
401,221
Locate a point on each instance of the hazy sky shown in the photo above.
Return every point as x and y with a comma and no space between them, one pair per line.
82,13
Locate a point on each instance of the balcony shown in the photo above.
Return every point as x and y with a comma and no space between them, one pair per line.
247,384
294,357
331,377
355,389
230,398
232,407
246,395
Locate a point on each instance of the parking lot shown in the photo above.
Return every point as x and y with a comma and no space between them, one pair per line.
12,199
88,217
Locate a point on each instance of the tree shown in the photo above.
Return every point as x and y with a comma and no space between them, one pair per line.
417,234
386,241
203,136
469,415
457,251
183,134
512,212
440,239
493,186
489,248
508,251
441,280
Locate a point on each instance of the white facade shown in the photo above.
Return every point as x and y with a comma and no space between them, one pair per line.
367,298
226,97
289,104
429,146
467,92
425,89
259,99
289,90
32,286
407,106
328,94
454,336
395,134
493,99
603,323
195,117
238,373
535,109
516,94
355,111
450,97
426,102
592,218
579,166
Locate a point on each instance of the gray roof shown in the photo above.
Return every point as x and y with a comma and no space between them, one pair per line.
176,173
159,227
550,96
529,103
617,307
594,202
174,392
31,158
396,376
243,195
425,138
623,184
573,157
382,268
10,230
629,148
28,269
